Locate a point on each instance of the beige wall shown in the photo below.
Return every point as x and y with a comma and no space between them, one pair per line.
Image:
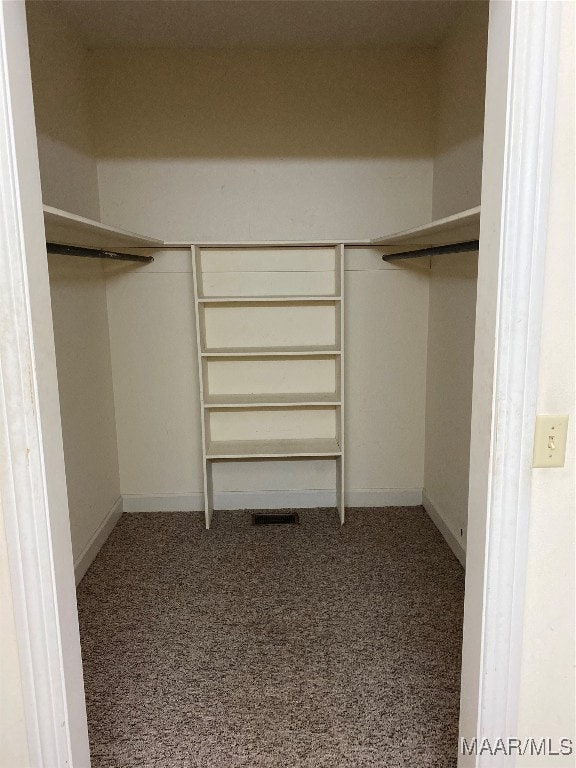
451,321
224,145
288,145
67,164
69,180
264,145
79,311
456,186
548,655
460,115
257,144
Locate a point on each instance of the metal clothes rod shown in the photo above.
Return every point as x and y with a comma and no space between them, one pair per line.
435,250
95,253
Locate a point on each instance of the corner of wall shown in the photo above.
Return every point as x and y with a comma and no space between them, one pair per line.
82,343
455,545
457,174
97,540
65,136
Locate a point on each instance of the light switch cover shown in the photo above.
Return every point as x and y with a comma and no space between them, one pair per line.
550,441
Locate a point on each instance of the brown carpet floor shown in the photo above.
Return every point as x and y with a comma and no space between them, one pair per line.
310,646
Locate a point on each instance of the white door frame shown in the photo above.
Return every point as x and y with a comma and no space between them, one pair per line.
523,44
32,474
519,109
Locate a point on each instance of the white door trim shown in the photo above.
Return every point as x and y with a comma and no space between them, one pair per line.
32,476
520,100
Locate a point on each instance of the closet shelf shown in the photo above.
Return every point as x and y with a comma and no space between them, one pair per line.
272,400
256,449
329,351
460,227
70,229
268,299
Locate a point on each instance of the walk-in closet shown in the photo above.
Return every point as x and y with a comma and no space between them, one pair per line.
262,223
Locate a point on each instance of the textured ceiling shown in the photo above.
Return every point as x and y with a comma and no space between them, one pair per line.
285,23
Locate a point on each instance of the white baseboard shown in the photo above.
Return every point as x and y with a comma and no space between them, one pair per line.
86,557
438,521
194,502
384,497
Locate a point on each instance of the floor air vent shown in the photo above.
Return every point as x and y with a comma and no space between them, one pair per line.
285,518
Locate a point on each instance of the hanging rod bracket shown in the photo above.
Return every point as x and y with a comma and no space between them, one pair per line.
434,250
95,253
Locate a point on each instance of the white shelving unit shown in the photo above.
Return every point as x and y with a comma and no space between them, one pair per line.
269,322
